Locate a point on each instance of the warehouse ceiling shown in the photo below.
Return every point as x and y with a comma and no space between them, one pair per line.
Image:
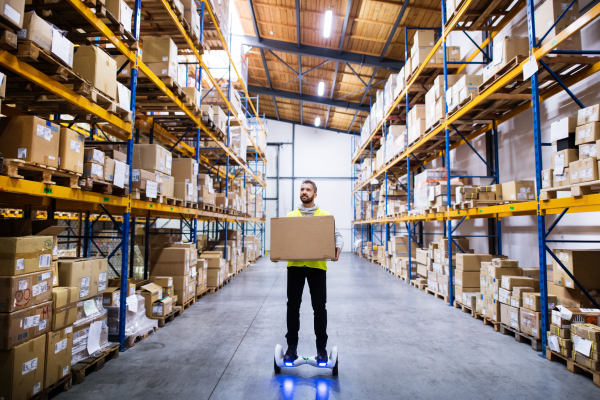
290,55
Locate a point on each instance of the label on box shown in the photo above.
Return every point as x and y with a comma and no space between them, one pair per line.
75,146
29,366
55,248
84,292
55,280
514,303
97,170
85,282
102,277
14,15
90,307
45,276
30,322
573,175
588,150
61,47
584,133
135,175
151,189
159,309
42,324
534,331
22,285
585,173
39,288
101,286
514,319
44,132
563,256
559,163
497,57
528,301
22,152
45,260
65,370
20,264
37,387
530,68
165,58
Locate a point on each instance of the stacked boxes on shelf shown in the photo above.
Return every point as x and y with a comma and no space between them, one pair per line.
154,159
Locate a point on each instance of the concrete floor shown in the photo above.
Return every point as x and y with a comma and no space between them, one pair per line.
394,342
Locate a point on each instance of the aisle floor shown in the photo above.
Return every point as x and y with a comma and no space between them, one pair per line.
394,342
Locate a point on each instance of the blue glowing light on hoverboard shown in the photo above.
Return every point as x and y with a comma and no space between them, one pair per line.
289,364
322,364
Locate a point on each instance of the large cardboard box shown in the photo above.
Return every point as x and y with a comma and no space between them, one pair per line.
30,138
184,170
139,178
518,190
26,254
172,261
582,264
588,115
97,66
152,157
471,262
466,278
13,11
303,238
22,370
59,347
186,191
121,11
151,293
563,158
547,13
419,57
532,301
164,69
213,277
530,322
81,273
64,307
37,30
22,325
585,170
159,49
588,133
509,48
509,316
162,307
70,154
509,282
22,291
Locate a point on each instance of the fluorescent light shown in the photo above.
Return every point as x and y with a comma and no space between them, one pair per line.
327,25
317,121
321,88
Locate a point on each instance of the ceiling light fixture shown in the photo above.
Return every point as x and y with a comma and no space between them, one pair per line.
327,25
318,121
321,88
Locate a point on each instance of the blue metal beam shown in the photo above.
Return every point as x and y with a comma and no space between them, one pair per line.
345,25
298,33
565,88
320,52
284,94
393,31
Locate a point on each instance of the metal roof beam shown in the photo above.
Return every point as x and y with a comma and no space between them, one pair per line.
320,52
393,31
284,94
345,24
251,7
298,123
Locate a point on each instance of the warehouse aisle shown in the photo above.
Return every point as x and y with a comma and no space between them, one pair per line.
394,342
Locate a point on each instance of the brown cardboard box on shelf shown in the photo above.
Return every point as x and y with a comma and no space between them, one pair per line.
564,317
530,322
509,48
588,133
22,325
26,254
59,346
531,301
22,291
471,262
508,282
152,157
159,49
64,307
13,12
93,155
184,170
78,272
31,139
37,30
111,296
22,370
588,114
95,171
213,277
162,307
186,191
172,261
561,180
547,13
419,57
585,170
163,69
151,293
518,190
97,66
563,158
206,195
139,177
301,239
582,264
509,316
162,281
70,155
117,283
466,278
116,155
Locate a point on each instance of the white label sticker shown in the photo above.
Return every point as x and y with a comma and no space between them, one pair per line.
562,256
46,275
151,189
528,301
22,152
20,264
530,68
135,175
22,285
54,280
584,133
39,288
42,324
69,330
165,58
44,132
101,287
30,322
37,387
84,292
102,277
497,57
75,146
65,370
559,163
85,282
534,331
45,260
29,366
12,14
164,72
60,346
55,249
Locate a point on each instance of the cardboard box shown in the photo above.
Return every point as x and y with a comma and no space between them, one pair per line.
172,261
509,48
37,30
59,347
93,155
152,157
70,154
582,264
563,158
64,307
82,273
509,316
26,254
22,325
545,16
22,370
184,170
117,283
31,139
159,49
588,114
532,301
471,262
518,190
508,282
547,179
162,307
186,191
299,239
111,297
422,38
588,133
151,293
164,69
562,128
421,256
97,66
94,171
530,322
585,170
562,180
589,150
139,178
121,11
22,291
419,57
162,281
492,309
466,278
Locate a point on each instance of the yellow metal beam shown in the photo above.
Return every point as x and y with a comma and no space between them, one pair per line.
20,67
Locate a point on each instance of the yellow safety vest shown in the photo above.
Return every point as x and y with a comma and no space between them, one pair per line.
310,264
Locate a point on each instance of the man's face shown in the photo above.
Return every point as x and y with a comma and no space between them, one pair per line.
307,193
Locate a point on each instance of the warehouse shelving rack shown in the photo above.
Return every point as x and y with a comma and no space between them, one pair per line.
121,211
539,208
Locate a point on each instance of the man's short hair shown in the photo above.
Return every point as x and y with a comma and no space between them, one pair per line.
312,183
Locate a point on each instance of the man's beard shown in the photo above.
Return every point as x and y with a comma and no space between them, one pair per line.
307,201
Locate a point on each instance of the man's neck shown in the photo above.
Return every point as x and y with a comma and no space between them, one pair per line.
310,205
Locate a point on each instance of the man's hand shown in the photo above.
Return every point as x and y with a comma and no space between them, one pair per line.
337,254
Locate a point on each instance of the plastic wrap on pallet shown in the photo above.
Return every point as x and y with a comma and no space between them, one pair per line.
136,322
90,331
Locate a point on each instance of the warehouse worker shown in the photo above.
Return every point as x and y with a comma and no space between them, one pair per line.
315,273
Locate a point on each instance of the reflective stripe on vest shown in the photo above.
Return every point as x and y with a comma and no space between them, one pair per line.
310,264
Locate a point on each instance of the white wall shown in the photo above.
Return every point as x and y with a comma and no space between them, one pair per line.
516,154
318,155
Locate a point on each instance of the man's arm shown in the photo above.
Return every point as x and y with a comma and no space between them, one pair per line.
339,244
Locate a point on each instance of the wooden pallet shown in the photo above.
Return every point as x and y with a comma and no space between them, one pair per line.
188,304
202,294
465,205
477,315
214,289
489,321
206,207
8,39
93,363
576,189
162,321
572,366
90,184
109,104
420,286
20,169
509,66
444,297
63,385
463,308
536,344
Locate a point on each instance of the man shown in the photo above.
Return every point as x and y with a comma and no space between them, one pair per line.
315,273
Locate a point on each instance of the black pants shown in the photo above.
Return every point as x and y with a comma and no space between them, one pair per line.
317,284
